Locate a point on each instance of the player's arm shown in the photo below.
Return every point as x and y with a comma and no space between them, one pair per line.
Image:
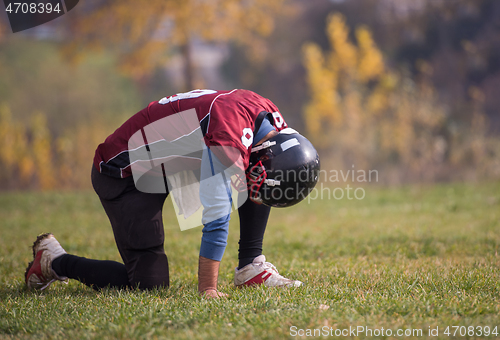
215,195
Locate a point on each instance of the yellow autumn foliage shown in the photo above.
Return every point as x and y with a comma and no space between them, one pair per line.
15,154
361,113
146,36
42,152
30,158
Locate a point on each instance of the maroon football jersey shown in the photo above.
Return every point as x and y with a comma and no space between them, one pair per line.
227,118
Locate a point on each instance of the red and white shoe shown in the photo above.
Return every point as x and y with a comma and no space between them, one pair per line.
262,272
39,274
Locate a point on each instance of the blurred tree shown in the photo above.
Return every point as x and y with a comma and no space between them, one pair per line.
341,75
458,39
363,113
42,152
34,78
17,165
280,76
146,34
53,115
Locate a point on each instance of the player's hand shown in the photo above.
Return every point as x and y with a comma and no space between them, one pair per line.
213,294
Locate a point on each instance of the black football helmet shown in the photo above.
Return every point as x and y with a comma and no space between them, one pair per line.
283,170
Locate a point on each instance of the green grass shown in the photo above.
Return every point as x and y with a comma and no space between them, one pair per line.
407,258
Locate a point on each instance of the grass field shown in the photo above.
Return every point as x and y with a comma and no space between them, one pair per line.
406,260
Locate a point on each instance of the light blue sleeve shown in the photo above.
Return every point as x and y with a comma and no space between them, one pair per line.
215,196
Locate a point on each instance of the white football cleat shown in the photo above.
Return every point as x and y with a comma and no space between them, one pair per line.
39,274
262,272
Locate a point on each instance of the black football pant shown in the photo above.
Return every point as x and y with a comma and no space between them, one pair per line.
136,219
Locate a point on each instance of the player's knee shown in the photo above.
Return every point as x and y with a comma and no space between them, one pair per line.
151,271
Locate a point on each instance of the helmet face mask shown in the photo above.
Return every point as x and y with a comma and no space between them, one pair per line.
283,170
256,175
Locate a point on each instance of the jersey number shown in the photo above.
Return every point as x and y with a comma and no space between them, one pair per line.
247,137
278,120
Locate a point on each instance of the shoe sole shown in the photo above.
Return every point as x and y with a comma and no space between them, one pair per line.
39,239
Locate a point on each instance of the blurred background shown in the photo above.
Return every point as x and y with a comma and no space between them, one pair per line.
409,88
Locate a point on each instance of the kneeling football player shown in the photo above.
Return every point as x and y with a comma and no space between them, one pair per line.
280,167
